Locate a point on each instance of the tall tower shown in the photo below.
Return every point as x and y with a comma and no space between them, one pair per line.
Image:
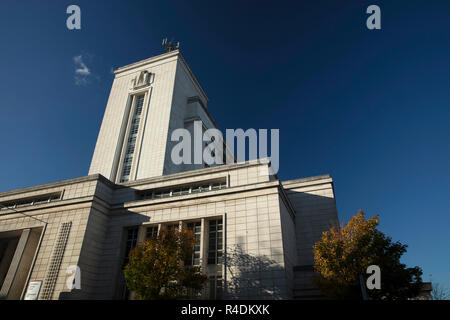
148,100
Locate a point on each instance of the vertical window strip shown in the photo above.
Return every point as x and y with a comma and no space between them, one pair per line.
215,248
131,141
215,258
132,235
196,228
215,287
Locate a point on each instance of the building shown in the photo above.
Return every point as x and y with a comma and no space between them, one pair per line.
256,231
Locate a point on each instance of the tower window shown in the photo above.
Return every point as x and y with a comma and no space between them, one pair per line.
131,141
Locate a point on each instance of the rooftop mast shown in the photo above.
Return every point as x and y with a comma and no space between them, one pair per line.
170,45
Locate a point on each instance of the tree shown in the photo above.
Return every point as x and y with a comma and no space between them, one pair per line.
439,292
345,252
156,269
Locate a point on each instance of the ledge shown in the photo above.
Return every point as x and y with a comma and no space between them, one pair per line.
61,183
194,173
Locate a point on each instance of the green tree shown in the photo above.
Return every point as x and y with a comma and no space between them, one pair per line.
156,269
345,252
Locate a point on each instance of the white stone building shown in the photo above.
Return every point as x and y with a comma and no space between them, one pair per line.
256,231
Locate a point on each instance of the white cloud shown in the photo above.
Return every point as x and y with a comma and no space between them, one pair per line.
82,72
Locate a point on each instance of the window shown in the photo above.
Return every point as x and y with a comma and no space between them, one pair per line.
131,235
215,287
126,170
176,192
146,195
165,194
218,185
131,240
24,202
215,242
128,159
173,227
131,141
215,258
185,190
158,195
196,227
151,232
134,129
180,190
195,189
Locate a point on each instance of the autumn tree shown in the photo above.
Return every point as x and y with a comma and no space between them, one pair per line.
157,268
345,252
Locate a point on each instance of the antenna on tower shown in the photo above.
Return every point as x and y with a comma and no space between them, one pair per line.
170,45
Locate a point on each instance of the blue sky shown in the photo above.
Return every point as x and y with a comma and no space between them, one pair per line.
369,107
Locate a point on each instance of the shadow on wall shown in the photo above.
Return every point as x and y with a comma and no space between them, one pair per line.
252,277
315,213
104,255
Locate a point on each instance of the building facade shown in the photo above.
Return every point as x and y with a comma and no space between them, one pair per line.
256,232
